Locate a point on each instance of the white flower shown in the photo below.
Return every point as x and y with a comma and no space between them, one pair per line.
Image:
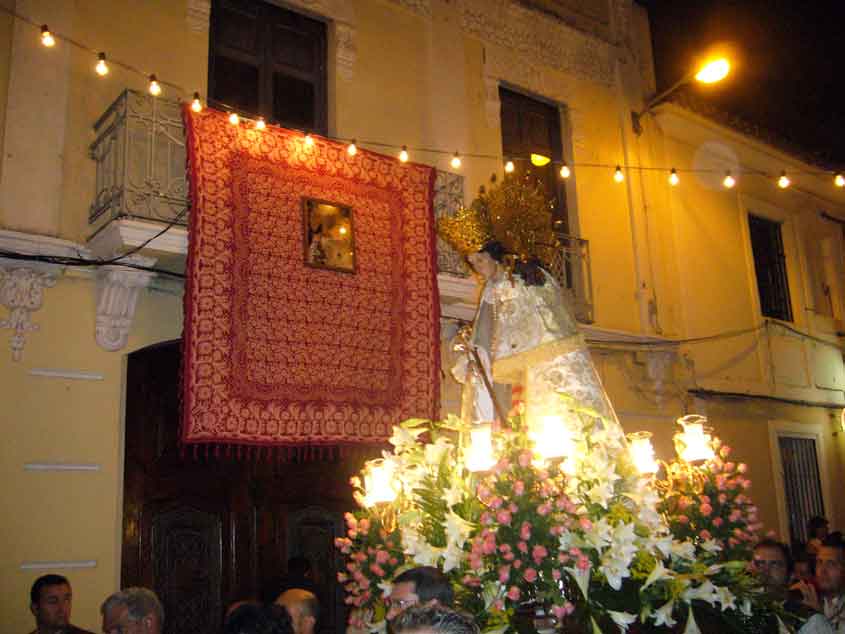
683,550
622,619
711,546
598,536
582,578
692,626
600,493
663,615
745,608
454,494
726,598
457,529
705,592
403,438
435,451
452,557
658,572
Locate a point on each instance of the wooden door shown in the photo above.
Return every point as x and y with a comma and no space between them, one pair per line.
204,532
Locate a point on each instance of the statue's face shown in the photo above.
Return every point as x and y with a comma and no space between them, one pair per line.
482,264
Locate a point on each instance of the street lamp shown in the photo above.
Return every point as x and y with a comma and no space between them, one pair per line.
710,72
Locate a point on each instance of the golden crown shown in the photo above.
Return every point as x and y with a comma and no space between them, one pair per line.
468,230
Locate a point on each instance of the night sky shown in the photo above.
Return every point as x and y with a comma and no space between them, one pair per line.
788,62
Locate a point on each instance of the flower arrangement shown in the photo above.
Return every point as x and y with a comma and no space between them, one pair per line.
582,536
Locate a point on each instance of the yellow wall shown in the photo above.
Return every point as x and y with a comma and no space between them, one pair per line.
6,26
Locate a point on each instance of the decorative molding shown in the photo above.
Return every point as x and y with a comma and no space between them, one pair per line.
22,293
346,50
197,15
123,234
66,374
117,295
53,565
35,244
60,466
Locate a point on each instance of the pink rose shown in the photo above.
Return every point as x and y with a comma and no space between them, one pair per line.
585,523
530,575
382,556
556,574
495,503
544,509
563,558
525,531
513,593
377,570
730,466
503,517
705,499
518,487
522,547
705,534
364,525
525,459
504,574
561,611
517,563
706,510
725,452
499,605
583,563
539,553
718,521
683,519
722,498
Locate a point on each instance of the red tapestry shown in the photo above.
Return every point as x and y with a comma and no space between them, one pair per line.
277,352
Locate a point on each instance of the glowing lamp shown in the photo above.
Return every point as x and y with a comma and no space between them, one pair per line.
456,161
342,231
729,181
565,172
259,123
673,177
509,167
47,38
540,160
695,442
196,104
352,149
839,180
783,181
552,438
618,176
155,87
642,452
713,71
234,119
479,455
102,68
403,154
309,140
378,482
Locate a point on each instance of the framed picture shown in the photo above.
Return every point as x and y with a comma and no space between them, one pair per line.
328,235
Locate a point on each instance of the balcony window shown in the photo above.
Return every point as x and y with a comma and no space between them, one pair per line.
770,268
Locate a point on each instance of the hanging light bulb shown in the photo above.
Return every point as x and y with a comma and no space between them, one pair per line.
47,38
729,181
673,177
196,104
456,161
378,482
552,438
509,167
102,68
540,160
234,119
839,180
155,87
309,140
618,176
260,124
694,442
642,452
352,149
565,172
479,454
403,154
783,181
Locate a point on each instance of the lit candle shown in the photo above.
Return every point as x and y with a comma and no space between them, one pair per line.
378,482
642,452
693,443
552,438
479,455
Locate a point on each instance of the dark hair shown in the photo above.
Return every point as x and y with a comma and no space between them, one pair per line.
433,618
44,581
529,269
815,524
429,584
257,619
783,548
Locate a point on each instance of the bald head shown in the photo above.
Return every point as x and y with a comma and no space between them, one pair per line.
303,608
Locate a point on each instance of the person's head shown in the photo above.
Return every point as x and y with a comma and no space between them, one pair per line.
830,560
132,611
771,563
817,528
433,619
250,618
50,600
802,566
486,261
425,585
303,607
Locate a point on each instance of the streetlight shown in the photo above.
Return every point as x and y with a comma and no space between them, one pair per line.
710,72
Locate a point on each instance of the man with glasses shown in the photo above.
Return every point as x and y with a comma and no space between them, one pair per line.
772,566
425,586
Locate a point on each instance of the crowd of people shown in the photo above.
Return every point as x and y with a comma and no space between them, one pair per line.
811,585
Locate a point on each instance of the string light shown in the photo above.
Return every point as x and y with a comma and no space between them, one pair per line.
403,154
47,38
352,149
540,160
673,177
509,167
456,160
259,123
196,104
618,176
565,172
729,181
309,140
783,181
102,68
839,180
234,119
155,87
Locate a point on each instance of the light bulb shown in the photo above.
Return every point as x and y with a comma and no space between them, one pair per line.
456,161
729,181
783,181
642,452
509,167
479,454
695,441
618,176
552,438
403,154
102,68
196,104
352,149
309,140
673,177
47,38
379,482
713,71
565,172
234,119
839,180
342,231
155,87
259,123
540,160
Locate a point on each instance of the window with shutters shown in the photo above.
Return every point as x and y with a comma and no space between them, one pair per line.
802,484
770,267
268,61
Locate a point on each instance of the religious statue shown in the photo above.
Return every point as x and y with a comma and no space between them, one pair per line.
524,331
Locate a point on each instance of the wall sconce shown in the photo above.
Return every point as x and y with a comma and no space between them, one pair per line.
695,442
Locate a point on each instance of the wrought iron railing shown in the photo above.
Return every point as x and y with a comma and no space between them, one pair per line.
140,155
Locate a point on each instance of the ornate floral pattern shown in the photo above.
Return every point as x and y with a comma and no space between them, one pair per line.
279,353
